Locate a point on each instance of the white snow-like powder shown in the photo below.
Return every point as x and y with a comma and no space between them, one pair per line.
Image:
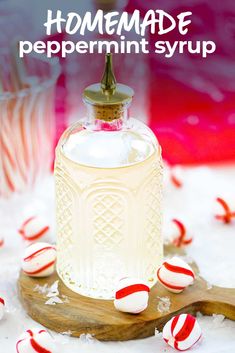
65,298
41,289
54,300
53,290
164,304
218,320
87,338
48,291
66,333
209,286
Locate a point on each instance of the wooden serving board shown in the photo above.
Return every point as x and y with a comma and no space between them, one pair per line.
99,318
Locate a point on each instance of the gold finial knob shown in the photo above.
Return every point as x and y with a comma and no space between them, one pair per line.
108,81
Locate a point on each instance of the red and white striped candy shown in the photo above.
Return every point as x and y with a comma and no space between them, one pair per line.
170,230
35,340
176,232
131,295
39,260
34,228
224,210
2,308
1,242
177,176
182,332
175,275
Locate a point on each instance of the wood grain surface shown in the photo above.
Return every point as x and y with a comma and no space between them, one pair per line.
98,317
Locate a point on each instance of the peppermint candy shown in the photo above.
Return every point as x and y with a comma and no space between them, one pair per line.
175,275
39,260
176,176
35,340
1,242
131,295
224,212
34,228
176,232
2,308
182,332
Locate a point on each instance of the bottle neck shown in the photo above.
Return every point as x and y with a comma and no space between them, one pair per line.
107,118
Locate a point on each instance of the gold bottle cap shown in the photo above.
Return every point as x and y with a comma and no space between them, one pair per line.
108,99
108,92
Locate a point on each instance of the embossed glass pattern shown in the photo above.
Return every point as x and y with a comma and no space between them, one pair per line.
108,209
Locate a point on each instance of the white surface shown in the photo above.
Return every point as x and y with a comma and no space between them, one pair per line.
212,248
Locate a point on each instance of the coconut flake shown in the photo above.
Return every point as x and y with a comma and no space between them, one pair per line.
53,290
218,320
41,289
87,338
66,333
208,285
164,304
65,298
54,301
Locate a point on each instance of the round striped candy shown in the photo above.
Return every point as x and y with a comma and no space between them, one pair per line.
2,308
182,332
176,176
175,275
34,228
39,260
35,340
176,232
1,242
131,295
224,212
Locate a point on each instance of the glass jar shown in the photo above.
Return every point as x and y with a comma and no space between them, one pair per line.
108,174
27,121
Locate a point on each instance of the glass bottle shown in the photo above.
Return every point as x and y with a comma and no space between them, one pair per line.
108,174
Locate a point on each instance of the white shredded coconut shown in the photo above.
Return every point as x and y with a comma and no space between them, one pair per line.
48,291
87,338
41,289
53,290
218,320
66,333
54,301
199,314
65,298
163,304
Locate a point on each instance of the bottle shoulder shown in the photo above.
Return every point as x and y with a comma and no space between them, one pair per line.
132,144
